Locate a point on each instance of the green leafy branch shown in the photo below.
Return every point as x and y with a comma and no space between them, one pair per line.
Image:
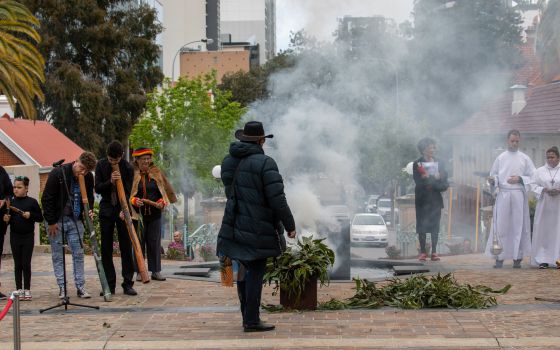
418,292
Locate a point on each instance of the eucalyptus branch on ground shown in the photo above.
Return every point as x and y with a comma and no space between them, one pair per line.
418,292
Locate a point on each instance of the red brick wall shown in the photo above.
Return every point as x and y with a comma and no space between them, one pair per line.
43,181
7,157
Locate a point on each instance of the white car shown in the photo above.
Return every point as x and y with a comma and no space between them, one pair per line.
370,229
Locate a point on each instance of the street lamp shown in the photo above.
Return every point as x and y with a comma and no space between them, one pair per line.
207,41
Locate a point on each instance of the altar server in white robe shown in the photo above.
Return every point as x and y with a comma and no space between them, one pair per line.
511,173
546,227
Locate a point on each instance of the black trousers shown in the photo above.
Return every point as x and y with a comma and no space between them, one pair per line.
250,290
107,224
422,240
22,251
150,241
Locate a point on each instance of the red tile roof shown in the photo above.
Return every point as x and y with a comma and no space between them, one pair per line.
541,115
39,140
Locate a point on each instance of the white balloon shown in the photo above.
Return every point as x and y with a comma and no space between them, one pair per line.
408,168
217,171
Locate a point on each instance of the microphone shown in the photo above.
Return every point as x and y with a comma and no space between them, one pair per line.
57,164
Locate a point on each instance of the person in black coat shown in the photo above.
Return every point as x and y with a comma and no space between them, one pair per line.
255,209
6,190
110,215
63,210
22,217
431,179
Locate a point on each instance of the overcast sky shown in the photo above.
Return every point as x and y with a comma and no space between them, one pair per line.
319,17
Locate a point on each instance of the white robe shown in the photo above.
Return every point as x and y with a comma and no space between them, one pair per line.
546,226
510,222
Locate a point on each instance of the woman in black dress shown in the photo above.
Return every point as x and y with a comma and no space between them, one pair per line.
431,180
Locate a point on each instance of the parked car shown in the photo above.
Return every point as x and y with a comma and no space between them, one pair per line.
384,209
369,228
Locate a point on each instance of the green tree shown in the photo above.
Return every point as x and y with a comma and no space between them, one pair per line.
548,41
463,51
101,61
251,86
21,64
190,129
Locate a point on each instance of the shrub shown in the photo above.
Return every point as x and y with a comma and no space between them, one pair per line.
176,251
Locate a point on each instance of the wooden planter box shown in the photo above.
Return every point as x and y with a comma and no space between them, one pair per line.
307,301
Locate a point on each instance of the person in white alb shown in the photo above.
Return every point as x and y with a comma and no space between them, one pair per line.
546,227
511,173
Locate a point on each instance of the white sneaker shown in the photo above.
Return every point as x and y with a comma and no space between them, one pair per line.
61,294
138,277
82,293
27,295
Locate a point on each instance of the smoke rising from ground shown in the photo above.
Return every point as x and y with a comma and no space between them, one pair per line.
339,116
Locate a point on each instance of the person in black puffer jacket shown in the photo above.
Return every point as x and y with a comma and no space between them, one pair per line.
255,214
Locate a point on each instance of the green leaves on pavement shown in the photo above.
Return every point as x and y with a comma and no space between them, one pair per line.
418,292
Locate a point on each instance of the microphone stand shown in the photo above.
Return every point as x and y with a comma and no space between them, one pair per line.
64,243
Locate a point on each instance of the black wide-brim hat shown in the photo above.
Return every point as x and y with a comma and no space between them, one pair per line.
253,131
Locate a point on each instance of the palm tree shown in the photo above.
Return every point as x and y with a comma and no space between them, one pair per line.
548,40
21,64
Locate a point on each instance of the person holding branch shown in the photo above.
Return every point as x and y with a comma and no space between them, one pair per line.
111,215
63,209
151,192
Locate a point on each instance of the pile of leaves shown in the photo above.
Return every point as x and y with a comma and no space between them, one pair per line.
418,292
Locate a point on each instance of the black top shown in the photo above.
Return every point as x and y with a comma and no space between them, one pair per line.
428,190
51,198
148,189
18,224
105,188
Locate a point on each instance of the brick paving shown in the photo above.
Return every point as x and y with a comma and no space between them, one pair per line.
181,313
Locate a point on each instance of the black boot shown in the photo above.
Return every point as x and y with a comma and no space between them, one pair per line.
517,264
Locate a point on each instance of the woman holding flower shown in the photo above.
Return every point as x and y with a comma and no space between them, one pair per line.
431,180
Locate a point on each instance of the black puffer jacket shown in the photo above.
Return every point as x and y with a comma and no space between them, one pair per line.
261,205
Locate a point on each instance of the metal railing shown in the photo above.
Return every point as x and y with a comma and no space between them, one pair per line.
206,234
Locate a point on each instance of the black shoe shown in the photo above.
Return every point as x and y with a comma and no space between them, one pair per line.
129,291
103,294
517,264
543,266
3,296
259,327
499,264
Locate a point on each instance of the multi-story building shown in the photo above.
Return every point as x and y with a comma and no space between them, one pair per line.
250,21
243,24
